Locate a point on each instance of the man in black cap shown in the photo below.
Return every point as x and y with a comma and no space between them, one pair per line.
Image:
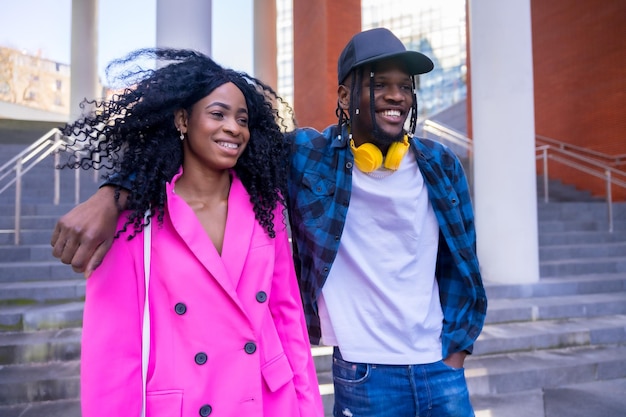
385,253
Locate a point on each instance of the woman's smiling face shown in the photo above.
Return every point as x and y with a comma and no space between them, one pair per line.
217,128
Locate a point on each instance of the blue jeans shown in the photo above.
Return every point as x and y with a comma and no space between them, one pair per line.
369,390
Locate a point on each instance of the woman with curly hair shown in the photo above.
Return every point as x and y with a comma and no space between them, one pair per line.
204,157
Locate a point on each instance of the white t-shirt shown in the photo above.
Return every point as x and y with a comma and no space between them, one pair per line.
380,303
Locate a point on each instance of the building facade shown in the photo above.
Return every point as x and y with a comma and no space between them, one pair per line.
433,27
578,61
34,82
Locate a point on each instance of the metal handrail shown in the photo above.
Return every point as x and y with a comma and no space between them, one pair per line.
40,147
447,133
12,171
611,160
584,160
590,166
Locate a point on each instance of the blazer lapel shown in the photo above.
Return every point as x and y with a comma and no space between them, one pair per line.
191,232
240,225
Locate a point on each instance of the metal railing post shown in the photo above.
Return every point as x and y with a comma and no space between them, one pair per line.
57,180
76,186
545,175
18,200
609,199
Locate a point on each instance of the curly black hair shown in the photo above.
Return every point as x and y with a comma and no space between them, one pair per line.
133,135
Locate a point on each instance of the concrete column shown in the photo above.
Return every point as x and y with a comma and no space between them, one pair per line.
505,195
184,24
264,45
83,55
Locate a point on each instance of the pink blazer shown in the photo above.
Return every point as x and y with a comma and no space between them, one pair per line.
228,332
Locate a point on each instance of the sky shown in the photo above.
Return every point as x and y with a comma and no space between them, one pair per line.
44,26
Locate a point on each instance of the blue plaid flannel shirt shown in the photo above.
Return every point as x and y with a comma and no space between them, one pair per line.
320,183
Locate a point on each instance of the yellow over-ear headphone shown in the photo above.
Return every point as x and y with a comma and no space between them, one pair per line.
368,157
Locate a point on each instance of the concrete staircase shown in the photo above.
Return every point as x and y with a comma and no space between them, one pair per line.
569,328
41,300
560,192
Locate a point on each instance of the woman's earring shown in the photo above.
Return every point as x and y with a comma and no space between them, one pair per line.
357,111
182,136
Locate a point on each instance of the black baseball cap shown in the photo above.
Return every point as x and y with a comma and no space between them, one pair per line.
375,45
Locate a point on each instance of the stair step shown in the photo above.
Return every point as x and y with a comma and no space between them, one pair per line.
554,286
600,398
58,408
40,346
322,356
38,209
591,399
34,382
523,371
576,266
560,225
27,253
515,404
28,292
558,307
580,210
36,271
579,251
577,237
38,317
29,222
27,236
550,334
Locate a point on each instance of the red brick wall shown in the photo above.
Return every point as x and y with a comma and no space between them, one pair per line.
579,60
321,30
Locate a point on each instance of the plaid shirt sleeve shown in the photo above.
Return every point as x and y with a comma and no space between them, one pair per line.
320,182
463,298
